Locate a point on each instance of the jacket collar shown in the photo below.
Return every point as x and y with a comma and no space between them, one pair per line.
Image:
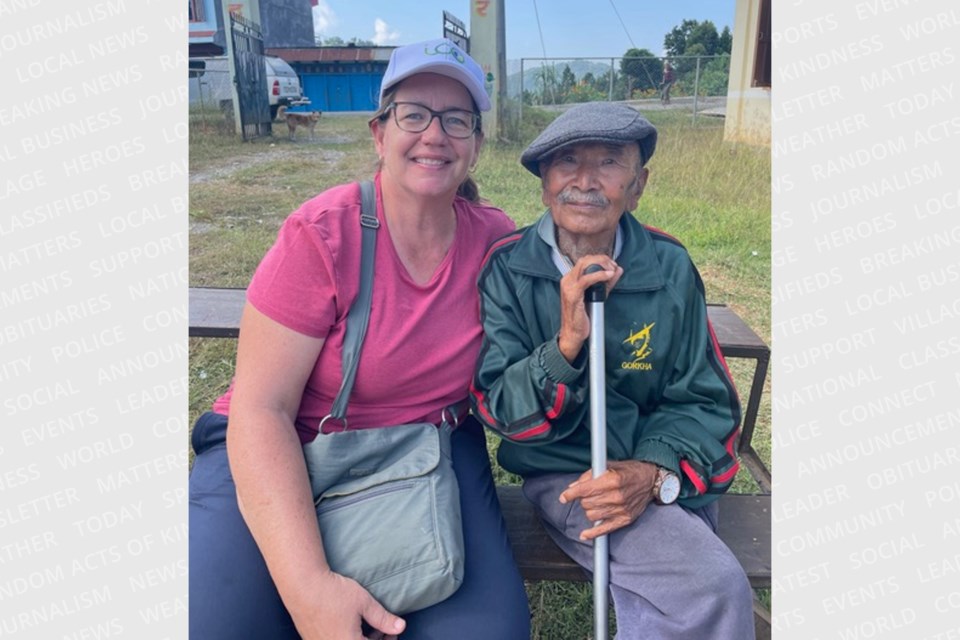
547,231
638,257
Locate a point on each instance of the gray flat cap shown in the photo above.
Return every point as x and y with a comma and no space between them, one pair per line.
592,122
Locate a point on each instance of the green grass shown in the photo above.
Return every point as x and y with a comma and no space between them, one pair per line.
713,196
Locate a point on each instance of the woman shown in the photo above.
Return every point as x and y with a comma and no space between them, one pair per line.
257,567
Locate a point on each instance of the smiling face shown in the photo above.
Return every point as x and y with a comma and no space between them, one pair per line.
430,163
588,186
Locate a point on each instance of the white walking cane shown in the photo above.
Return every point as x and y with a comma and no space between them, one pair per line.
594,299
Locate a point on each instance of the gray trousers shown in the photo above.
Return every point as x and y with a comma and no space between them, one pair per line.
671,577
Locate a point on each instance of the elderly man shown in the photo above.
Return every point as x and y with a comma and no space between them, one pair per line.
672,411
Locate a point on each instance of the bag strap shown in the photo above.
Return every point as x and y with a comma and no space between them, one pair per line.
359,315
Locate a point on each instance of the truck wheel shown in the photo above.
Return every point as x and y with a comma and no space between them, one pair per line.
273,112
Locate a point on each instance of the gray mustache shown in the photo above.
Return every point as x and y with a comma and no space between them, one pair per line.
571,196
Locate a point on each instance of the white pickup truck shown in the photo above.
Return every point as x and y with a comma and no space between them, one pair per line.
212,85
283,85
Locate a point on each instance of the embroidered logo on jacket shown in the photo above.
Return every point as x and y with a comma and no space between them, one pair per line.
640,349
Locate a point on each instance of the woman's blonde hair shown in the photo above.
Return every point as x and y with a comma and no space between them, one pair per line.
468,189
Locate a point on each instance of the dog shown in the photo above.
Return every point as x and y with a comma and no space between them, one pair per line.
298,118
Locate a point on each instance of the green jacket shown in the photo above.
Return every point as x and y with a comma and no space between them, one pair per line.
670,397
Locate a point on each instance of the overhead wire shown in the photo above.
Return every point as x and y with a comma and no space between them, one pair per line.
623,25
543,47
632,45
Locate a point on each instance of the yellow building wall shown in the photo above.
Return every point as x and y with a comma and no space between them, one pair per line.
748,108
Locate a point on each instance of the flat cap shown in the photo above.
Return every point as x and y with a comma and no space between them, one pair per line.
592,122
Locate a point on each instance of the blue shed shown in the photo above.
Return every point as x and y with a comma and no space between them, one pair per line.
339,78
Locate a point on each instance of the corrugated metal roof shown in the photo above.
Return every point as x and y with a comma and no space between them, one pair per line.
333,54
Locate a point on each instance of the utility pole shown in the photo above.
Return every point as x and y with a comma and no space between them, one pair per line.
488,47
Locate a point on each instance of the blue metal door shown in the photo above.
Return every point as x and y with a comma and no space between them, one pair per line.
342,91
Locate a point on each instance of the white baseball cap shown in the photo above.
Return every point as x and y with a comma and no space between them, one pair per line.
436,56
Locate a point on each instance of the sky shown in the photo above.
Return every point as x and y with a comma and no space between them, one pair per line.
570,28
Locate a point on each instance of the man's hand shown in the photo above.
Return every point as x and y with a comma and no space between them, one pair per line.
616,498
333,608
574,322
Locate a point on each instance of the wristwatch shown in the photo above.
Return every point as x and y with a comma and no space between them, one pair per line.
666,487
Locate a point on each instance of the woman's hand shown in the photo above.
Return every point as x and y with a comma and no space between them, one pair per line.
333,607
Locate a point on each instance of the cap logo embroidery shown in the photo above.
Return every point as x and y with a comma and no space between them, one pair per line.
445,49
640,349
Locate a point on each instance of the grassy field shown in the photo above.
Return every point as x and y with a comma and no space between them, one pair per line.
713,196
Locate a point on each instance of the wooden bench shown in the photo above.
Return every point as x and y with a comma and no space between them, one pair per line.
744,518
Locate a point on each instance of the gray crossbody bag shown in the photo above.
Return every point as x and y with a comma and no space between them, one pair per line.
387,498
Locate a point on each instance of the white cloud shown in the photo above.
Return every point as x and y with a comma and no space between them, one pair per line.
383,34
323,18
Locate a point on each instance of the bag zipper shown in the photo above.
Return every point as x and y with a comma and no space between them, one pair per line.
346,501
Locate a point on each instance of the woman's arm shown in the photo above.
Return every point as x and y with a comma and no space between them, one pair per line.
266,460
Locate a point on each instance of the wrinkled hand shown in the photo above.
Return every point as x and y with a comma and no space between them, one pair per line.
574,322
334,607
616,498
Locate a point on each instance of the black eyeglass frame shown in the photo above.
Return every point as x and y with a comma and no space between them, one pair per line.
477,120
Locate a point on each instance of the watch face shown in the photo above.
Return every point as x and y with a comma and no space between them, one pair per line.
669,488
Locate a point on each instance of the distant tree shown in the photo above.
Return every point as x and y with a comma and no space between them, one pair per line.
642,69
675,42
337,41
546,78
567,81
621,85
692,32
696,49
704,33
714,76
602,83
726,41
694,38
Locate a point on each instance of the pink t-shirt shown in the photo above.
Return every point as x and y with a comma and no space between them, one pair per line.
422,341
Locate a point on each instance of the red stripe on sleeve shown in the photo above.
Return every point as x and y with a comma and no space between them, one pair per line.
554,411
730,441
727,475
543,427
482,405
719,354
694,478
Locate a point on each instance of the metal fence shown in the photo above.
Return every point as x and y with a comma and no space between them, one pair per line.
211,86
699,86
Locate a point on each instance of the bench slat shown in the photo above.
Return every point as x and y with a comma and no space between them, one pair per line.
215,313
736,338
744,527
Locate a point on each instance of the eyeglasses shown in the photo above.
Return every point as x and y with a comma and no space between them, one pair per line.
416,118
